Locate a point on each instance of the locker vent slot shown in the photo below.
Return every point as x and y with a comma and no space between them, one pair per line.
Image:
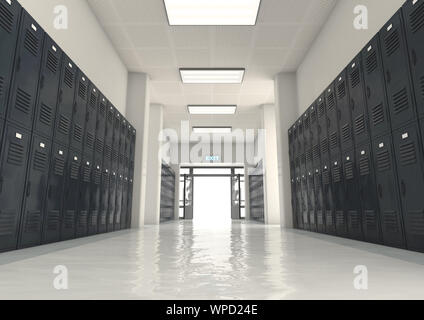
96,177
69,78
82,90
321,110
309,156
400,101
69,219
355,220
392,42
416,222
346,133
331,101
315,152
108,152
306,123
110,117
40,161
86,174
74,170
99,146
370,220
31,43
23,101
45,114
371,62
103,218
313,118
336,174
407,154
64,125
15,155
53,220
6,19
102,108
349,170
333,140
360,124
33,222
82,220
52,62
390,221
340,219
417,18
377,114
93,100
93,218
7,223
59,166
105,177
324,145
328,218
77,133
383,161
89,141
341,90
1,85
364,166
355,78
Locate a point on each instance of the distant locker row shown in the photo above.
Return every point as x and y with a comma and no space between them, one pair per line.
67,155
357,154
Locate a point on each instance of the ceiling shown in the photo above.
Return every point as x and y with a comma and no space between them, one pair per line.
140,32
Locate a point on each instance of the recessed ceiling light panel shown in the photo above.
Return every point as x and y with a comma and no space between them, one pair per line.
212,76
206,109
212,12
209,130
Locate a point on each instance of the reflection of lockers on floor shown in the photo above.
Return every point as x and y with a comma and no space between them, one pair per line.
369,170
256,194
56,133
167,194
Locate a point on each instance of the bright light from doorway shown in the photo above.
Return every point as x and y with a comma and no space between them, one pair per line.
212,76
211,130
212,12
213,110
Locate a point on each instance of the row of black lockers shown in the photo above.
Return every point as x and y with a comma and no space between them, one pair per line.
67,155
356,155
256,194
167,194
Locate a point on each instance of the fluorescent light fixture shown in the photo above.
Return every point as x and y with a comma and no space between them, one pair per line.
212,76
208,130
218,109
212,12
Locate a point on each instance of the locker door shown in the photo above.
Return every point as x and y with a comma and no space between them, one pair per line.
293,201
109,125
328,196
65,102
100,130
79,111
91,118
357,101
339,196
352,203
375,89
311,202
307,131
84,199
14,158
118,202
10,12
124,207
299,204
123,136
332,120
313,115
344,113
300,137
322,116
93,217
304,192
111,204
410,164
295,148
396,69
132,151
104,200
26,72
319,200
368,191
128,142
413,13
129,200
53,211
48,88
388,192
35,192
71,195
291,151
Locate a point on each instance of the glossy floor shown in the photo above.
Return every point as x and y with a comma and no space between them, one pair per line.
182,260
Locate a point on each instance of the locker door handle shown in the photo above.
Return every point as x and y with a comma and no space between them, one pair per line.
368,92
388,76
28,189
380,191
414,57
403,188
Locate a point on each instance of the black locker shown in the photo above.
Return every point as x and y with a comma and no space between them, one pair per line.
93,216
110,116
124,207
352,203
299,205
300,137
14,158
413,13
65,108
35,192
314,128
311,201
48,88
294,133
71,194
375,89
344,113
307,131
332,121
10,13
79,111
118,201
321,148
291,150
53,211
396,70
368,192
410,165
100,130
84,199
112,201
23,92
388,192
339,196
104,200
123,136
319,200
132,152
91,119
129,201
328,196
361,132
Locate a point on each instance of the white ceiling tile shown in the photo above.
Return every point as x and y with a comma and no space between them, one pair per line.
318,12
118,37
129,57
193,89
255,73
253,100
283,11
275,36
226,99
235,57
269,57
233,36
193,58
104,11
190,37
163,74
257,88
156,57
167,88
141,12
199,98
148,36
226,88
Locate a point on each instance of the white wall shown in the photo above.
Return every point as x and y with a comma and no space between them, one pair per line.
86,44
337,44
